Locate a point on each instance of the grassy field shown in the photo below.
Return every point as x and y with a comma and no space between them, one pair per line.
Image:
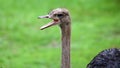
95,27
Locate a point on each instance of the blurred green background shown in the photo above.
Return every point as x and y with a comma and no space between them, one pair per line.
95,27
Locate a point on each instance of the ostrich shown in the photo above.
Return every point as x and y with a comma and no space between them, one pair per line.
109,58
61,17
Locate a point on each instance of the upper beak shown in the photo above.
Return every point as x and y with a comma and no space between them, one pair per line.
49,24
46,16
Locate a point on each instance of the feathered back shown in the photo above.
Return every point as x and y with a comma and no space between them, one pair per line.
109,58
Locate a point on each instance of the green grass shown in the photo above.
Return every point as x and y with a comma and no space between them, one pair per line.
95,27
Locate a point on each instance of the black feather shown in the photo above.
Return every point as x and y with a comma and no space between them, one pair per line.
109,58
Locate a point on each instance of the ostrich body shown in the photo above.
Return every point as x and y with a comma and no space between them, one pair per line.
109,58
61,17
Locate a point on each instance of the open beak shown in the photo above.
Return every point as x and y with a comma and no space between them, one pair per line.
54,22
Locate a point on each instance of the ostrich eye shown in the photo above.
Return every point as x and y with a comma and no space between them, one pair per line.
60,15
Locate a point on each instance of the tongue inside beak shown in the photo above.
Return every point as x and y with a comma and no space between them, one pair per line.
54,22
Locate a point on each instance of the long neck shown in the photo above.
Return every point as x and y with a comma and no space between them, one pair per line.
66,32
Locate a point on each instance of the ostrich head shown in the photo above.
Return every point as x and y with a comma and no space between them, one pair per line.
59,16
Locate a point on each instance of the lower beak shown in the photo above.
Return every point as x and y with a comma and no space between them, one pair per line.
49,24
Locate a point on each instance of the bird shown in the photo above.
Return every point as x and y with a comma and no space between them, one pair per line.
108,58
61,17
